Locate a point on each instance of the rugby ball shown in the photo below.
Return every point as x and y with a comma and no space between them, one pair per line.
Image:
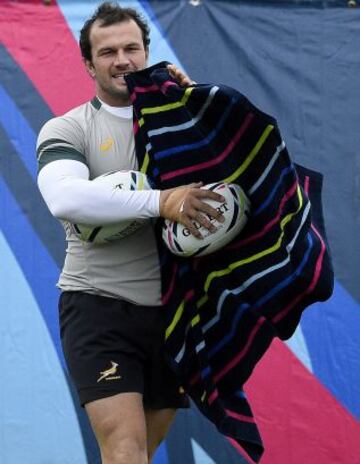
117,181
235,209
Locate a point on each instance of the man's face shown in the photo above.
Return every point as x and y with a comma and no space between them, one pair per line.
116,50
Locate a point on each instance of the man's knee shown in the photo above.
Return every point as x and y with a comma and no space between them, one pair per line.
121,443
120,428
127,450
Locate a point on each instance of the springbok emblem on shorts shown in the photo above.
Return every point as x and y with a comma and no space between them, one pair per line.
109,374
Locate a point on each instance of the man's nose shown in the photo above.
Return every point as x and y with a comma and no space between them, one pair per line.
121,58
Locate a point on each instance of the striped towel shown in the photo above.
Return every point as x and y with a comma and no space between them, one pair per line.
224,309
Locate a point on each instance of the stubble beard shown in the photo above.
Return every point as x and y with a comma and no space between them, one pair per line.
119,96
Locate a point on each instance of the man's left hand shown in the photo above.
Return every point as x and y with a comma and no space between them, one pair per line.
180,77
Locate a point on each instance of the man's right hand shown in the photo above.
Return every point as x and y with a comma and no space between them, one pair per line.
185,205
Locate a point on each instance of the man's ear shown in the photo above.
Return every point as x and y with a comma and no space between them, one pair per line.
90,68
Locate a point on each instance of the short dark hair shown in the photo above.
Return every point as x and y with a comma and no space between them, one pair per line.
111,13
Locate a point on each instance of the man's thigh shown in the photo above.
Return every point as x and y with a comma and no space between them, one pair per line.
119,424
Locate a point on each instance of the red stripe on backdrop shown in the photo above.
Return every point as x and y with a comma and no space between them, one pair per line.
300,421
40,41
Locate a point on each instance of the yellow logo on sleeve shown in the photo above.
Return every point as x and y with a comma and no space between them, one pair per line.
105,146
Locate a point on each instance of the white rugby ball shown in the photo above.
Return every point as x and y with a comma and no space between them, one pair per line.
235,210
117,181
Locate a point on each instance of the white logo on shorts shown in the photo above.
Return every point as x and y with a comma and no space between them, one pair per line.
110,374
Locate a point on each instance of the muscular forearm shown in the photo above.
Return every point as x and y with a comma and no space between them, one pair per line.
69,195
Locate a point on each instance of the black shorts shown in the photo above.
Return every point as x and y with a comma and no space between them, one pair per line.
113,346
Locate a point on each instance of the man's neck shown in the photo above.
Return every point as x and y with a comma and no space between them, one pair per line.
122,111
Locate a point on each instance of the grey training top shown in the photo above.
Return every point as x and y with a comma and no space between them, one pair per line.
127,268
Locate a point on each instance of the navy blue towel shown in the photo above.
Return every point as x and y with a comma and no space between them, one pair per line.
224,309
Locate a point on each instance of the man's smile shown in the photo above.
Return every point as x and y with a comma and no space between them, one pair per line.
121,74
